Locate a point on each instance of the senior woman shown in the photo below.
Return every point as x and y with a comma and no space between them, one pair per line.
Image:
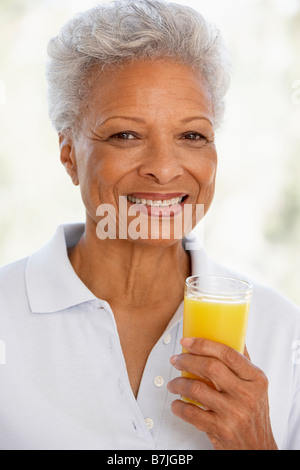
92,322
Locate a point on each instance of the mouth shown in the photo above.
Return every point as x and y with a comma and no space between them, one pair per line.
158,204
157,200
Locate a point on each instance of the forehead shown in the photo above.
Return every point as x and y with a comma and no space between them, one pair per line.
149,87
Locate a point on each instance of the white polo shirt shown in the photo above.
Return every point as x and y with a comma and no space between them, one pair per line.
63,378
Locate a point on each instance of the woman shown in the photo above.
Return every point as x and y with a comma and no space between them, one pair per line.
92,322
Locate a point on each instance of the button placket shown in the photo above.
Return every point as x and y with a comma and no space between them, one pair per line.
136,422
153,393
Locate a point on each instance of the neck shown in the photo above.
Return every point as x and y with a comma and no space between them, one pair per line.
140,273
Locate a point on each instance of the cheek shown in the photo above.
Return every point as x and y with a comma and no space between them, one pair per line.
93,169
100,177
207,173
206,168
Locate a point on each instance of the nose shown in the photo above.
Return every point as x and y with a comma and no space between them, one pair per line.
161,163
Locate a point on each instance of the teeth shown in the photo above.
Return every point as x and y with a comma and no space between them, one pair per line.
150,202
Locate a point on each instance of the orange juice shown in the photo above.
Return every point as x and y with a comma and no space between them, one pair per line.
224,321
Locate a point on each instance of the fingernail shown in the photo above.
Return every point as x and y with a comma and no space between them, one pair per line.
187,342
173,359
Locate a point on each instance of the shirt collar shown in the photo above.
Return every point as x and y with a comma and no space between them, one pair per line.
51,281
53,285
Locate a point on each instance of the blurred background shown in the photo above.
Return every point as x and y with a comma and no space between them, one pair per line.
253,225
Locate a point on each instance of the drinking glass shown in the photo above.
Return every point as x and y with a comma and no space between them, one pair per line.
216,308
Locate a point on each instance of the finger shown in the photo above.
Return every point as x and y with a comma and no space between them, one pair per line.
203,420
235,361
199,392
209,369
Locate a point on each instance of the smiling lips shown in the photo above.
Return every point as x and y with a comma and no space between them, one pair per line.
156,199
159,204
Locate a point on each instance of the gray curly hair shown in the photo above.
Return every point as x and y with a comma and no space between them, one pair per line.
115,32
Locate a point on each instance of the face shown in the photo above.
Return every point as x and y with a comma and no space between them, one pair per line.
146,137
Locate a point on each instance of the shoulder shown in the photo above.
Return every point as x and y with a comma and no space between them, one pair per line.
268,305
12,271
273,318
271,307
274,323
267,298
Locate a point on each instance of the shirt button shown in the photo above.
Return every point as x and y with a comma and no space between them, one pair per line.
167,339
159,381
149,423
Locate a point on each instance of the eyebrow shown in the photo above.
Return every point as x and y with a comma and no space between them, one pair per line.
128,118
140,120
196,118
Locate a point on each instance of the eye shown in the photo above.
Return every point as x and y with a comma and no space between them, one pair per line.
124,136
194,136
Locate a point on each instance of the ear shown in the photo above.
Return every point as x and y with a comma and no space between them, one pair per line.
68,157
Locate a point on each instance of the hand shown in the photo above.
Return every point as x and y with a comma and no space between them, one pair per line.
236,414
